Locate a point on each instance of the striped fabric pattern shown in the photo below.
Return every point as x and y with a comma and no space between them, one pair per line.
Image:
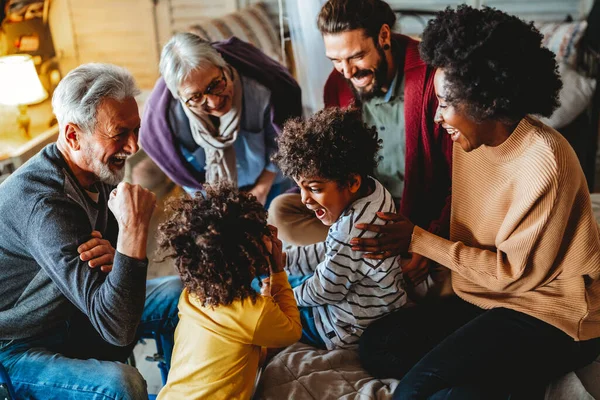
251,24
522,232
563,39
348,292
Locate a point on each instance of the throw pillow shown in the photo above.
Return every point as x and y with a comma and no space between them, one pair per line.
562,39
574,97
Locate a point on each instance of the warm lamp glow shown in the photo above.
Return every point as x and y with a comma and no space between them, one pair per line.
19,82
20,86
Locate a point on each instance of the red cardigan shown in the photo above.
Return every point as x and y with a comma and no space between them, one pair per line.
428,171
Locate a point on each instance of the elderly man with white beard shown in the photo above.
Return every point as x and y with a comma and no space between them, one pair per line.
73,251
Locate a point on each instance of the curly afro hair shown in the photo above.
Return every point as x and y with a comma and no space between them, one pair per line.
494,64
333,144
216,243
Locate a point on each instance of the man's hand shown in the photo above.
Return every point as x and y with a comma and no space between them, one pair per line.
416,270
132,206
274,248
98,252
394,238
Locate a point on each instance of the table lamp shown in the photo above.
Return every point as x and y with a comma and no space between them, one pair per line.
20,86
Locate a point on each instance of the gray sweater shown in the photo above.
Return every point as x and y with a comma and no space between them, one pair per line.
44,216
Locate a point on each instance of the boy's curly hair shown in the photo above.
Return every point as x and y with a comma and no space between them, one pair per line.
494,64
333,144
216,243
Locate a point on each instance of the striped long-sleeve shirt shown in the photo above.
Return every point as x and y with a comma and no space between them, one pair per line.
346,290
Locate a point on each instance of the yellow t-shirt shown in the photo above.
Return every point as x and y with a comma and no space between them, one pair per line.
217,350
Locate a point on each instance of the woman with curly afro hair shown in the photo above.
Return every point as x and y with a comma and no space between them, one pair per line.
219,243
524,247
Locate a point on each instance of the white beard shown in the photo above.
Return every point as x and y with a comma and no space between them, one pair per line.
102,170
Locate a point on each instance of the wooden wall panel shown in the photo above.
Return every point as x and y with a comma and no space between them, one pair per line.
132,32
111,31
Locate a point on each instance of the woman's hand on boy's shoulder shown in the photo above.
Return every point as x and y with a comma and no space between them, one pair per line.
394,238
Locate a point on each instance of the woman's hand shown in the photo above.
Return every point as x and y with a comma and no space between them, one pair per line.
97,252
394,238
417,270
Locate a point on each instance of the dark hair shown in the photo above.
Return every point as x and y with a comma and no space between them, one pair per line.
494,64
346,15
333,144
216,243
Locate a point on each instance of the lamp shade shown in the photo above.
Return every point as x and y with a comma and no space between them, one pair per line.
19,82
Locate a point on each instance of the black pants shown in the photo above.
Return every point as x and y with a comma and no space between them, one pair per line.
454,350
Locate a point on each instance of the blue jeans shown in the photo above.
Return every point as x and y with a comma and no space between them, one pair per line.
73,362
455,350
310,335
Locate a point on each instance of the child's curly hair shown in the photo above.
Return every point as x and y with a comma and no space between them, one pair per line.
333,144
216,243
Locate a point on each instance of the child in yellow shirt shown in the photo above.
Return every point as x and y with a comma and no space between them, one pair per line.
220,242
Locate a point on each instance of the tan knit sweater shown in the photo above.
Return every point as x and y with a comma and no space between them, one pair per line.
522,232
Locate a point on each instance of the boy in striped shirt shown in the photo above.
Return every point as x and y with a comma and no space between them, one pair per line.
338,291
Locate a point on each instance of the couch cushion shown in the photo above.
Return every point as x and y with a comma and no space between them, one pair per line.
574,97
562,39
251,24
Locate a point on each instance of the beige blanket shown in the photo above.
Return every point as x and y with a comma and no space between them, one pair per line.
302,372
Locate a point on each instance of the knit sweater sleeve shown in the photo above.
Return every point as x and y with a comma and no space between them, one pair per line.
113,302
527,245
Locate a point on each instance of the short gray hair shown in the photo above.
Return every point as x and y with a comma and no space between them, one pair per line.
184,53
80,92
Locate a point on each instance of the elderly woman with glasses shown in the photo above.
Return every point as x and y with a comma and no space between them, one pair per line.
215,113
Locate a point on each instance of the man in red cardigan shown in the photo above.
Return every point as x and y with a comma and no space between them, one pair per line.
382,73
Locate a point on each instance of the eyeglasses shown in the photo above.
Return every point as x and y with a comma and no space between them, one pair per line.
215,88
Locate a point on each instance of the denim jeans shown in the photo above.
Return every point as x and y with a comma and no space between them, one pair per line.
73,362
310,335
455,350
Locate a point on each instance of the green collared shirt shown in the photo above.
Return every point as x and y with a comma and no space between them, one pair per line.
386,114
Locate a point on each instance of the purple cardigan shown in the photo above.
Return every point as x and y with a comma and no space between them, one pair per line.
157,137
